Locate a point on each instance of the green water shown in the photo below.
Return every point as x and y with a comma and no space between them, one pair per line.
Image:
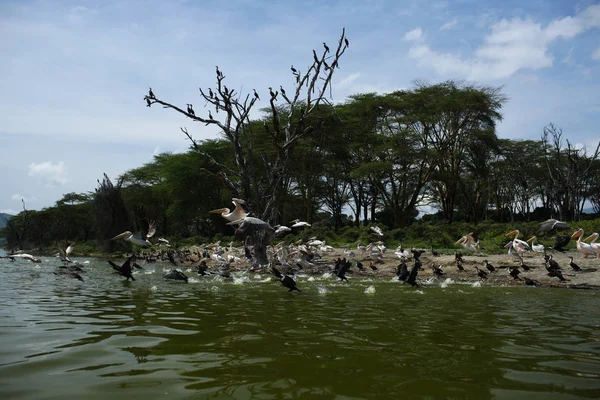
250,338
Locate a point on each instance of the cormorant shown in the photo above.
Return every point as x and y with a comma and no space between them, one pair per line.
151,94
175,275
412,275
285,280
202,268
573,265
551,263
282,91
359,265
347,42
210,93
458,257
271,92
555,273
437,270
402,272
148,102
294,71
218,72
459,266
209,115
417,253
326,47
514,272
256,95
531,282
525,267
125,269
489,266
190,110
560,241
481,273
72,274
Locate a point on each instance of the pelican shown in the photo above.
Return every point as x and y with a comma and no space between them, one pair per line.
468,242
238,213
550,224
517,244
299,224
595,246
376,230
584,248
538,248
26,257
129,237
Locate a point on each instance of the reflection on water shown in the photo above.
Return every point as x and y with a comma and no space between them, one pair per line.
250,338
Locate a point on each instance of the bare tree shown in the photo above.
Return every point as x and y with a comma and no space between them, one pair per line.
286,125
569,172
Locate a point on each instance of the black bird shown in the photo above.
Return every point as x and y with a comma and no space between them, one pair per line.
437,271
459,266
560,241
482,274
125,269
373,267
326,47
402,272
273,95
326,66
256,95
433,252
282,91
489,266
417,253
190,110
514,272
209,115
458,257
555,273
202,268
172,258
285,280
525,267
210,93
347,42
551,263
412,275
218,72
341,267
71,274
531,282
225,89
574,266
148,102
175,275
294,71
418,264
151,94
359,265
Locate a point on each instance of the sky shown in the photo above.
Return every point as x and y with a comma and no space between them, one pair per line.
74,73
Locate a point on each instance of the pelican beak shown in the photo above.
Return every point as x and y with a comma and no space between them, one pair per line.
219,211
576,234
589,237
530,239
511,233
462,239
121,235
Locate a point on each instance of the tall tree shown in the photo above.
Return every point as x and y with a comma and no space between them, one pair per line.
110,211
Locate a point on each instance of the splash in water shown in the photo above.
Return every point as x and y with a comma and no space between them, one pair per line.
370,290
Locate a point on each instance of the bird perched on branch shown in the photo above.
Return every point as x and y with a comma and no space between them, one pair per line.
151,94
190,110
326,47
256,95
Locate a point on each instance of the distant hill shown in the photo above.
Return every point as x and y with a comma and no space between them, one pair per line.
3,218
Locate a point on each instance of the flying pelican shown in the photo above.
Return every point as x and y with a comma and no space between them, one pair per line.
584,248
468,242
129,237
238,213
299,224
538,248
517,244
595,246
26,257
550,224
376,230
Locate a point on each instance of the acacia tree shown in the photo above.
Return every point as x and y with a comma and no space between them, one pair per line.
110,211
286,126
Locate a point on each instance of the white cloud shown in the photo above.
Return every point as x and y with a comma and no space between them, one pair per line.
349,79
414,35
449,25
9,211
51,173
511,45
596,54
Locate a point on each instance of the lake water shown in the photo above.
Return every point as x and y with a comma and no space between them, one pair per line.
250,338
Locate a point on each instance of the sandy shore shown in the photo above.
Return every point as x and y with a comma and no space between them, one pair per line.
588,277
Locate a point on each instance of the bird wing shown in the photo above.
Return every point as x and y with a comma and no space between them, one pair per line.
114,266
151,230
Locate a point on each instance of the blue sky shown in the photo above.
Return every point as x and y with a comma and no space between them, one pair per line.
73,73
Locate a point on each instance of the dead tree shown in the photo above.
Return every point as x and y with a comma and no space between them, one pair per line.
286,125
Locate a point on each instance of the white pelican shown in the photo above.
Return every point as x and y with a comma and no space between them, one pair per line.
468,242
282,229
238,213
129,237
299,224
550,224
376,230
518,245
26,257
595,246
584,248
538,248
